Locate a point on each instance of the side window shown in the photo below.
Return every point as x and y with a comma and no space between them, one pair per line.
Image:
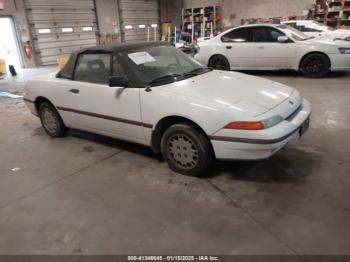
94,68
117,68
237,36
266,35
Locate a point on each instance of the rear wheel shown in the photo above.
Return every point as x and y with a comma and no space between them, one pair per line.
186,150
219,62
51,120
315,66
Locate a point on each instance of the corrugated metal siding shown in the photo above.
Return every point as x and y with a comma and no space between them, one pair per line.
139,12
55,15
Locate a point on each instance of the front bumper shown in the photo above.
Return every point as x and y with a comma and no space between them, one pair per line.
261,144
340,62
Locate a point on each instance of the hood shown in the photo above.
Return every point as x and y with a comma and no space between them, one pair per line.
337,35
342,32
329,41
247,94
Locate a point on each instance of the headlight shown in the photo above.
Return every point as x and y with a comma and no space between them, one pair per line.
258,125
345,51
272,121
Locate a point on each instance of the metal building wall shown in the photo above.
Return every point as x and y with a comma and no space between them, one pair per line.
137,18
53,15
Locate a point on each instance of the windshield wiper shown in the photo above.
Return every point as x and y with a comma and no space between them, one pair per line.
174,77
164,78
198,71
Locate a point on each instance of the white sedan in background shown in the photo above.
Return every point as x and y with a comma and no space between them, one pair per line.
316,29
155,95
273,47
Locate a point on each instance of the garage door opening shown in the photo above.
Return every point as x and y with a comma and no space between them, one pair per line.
8,43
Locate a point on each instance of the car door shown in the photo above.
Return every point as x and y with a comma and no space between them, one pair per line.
238,48
91,104
269,52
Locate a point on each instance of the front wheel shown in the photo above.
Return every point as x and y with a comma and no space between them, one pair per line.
219,62
186,150
315,66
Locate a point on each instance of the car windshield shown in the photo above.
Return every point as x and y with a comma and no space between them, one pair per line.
325,27
294,33
161,65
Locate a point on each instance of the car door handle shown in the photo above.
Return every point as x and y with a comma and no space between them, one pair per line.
261,47
74,91
228,47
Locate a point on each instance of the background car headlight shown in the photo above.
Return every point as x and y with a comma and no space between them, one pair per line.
256,125
345,51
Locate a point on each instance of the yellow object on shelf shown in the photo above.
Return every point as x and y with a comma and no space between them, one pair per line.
62,62
165,29
2,67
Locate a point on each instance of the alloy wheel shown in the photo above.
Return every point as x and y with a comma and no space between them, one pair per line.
218,63
314,65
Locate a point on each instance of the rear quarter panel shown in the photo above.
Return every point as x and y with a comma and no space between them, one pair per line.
208,49
46,86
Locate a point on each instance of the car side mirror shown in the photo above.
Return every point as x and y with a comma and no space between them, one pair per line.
118,81
282,39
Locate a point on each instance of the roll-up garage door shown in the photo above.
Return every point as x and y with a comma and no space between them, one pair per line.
139,20
60,27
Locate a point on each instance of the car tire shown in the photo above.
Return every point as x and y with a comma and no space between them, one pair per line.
51,120
315,66
219,62
187,150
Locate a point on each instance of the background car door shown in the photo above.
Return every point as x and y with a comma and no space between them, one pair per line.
91,104
269,53
238,48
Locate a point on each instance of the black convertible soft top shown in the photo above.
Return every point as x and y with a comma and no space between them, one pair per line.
68,70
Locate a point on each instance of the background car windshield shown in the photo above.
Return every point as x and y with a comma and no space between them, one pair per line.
324,26
294,33
155,62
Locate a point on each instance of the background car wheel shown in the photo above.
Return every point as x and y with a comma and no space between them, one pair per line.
186,150
219,62
315,66
51,120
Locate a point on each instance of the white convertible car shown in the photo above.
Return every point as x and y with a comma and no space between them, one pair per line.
153,94
314,28
273,47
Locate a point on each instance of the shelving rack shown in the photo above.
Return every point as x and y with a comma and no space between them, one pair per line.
335,14
201,22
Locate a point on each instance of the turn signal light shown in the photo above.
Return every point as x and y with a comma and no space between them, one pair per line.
245,125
